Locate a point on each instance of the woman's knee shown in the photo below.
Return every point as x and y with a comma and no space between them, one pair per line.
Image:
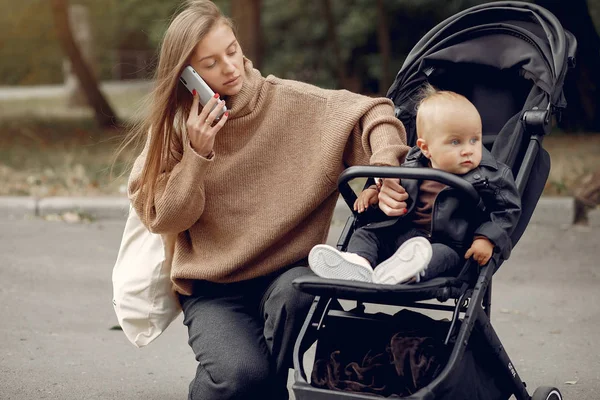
238,378
293,300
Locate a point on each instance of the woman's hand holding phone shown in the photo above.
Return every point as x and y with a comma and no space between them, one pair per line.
200,128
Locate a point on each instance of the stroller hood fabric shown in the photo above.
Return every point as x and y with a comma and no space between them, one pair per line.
508,58
501,35
520,34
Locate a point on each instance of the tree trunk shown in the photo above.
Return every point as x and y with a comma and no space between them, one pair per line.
105,115
582,85
79,20
246,15
383,37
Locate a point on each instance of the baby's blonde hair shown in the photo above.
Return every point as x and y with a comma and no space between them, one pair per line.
429,96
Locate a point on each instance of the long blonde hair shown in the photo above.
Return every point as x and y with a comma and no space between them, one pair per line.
167,106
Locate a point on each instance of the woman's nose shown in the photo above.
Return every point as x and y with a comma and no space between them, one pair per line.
228,68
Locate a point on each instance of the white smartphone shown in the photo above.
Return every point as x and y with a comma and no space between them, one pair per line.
192,80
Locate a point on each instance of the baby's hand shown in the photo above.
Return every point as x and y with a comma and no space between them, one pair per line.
481,250
366,198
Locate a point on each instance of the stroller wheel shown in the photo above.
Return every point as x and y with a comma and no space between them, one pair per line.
546,393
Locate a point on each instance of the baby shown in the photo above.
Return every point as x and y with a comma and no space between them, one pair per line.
441,225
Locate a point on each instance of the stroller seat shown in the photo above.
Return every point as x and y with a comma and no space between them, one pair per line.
517,89
441,288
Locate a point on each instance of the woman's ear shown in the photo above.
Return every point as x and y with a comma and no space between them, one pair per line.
422,144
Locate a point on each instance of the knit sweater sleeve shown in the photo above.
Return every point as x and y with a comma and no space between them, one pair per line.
381,134
374,135
178,200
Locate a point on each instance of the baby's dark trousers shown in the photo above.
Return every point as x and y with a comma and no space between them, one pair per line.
377,245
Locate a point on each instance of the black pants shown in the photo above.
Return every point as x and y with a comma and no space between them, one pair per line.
243,334
379,244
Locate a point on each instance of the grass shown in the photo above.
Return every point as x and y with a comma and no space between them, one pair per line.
50,149
59,157
573,156
124,101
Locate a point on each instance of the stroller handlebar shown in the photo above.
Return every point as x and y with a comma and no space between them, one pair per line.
406,173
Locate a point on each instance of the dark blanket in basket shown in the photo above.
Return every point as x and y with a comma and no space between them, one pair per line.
399,359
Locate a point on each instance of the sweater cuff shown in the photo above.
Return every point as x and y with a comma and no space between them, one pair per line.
387,138
194,162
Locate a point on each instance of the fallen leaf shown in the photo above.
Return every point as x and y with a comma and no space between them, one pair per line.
52,217
71,217
570,382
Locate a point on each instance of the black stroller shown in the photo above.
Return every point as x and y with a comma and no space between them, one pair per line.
510,59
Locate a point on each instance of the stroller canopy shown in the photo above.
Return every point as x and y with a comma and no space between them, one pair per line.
503,35
509,58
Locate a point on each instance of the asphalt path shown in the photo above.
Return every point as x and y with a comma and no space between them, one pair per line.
56,316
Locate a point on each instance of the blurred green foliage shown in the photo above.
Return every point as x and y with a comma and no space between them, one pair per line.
31,53
295,34
29,50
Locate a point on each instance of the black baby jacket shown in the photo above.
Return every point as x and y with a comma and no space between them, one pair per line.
455,219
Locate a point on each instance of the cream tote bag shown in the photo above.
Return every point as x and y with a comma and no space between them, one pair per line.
143,296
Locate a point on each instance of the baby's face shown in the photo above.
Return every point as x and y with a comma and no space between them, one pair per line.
453,140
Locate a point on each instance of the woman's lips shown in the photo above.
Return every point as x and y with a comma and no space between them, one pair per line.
232,82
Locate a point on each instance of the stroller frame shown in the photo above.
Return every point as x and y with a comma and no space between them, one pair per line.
474,301
472,288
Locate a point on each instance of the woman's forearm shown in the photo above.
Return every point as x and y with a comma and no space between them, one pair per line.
178,198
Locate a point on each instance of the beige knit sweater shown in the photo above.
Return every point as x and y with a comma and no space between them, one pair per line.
267,195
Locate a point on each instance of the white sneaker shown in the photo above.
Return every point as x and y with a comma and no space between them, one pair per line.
329,262
409,261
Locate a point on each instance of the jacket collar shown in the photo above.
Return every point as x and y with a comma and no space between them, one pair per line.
416,155
245,101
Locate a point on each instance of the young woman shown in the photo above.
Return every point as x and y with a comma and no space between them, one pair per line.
248,196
